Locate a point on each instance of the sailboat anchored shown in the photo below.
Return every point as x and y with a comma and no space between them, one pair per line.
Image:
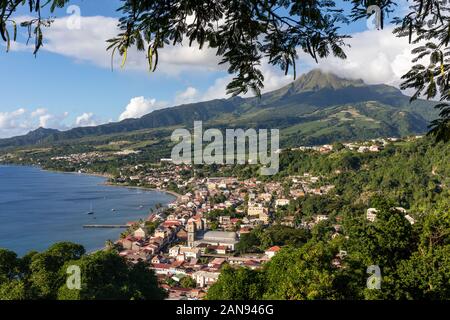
90,212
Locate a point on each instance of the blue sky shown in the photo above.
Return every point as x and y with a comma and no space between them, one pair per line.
70,82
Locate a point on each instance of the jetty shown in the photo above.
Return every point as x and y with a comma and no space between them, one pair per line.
104,226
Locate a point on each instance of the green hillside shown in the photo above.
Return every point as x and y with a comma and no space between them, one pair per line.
317,108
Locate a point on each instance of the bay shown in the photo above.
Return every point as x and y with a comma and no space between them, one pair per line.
39,208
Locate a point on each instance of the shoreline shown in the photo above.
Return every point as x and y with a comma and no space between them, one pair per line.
94,174
172,193
104,183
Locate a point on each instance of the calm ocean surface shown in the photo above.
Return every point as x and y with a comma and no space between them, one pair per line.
39,208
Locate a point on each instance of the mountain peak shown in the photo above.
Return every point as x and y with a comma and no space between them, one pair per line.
317,79
42,130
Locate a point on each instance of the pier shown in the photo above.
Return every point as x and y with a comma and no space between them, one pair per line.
104,226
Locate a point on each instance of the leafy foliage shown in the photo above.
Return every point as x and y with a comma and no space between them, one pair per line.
237,284
325,264
104,275
242,32
428,26
188,282
246,32
34,25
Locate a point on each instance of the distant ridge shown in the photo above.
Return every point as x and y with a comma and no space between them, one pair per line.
317,107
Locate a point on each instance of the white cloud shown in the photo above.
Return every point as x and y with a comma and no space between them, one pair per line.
87,119
140,106
22,121
376,56
8,120
189,95
85,44
54,121
45,119
88,44
38,112
218,90
273,79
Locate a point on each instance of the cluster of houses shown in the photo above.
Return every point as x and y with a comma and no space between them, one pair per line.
78,158
185,244
158,177
371,214
372,145
186,241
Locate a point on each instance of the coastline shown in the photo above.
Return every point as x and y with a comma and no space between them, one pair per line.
173,193
94,174
104,183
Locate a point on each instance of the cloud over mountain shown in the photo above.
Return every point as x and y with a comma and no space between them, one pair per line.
140,106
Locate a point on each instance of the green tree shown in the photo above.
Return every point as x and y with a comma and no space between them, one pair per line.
282,235
188,282
428,25
237,284
350,162
338,146
106,275
13,290
426,275
248,243
8,265
45,277
301,274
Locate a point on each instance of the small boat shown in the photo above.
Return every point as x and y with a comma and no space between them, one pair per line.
113,210
90,212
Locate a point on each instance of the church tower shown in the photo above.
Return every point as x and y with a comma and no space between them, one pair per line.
191,234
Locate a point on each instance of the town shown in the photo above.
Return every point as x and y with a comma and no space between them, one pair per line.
226,218
188,241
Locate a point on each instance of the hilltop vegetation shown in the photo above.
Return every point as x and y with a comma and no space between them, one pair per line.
315,109
414,259
413,264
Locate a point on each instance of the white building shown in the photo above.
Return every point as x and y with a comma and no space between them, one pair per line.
205,278
371,214
321,217
140,233
255,209
281,202
410,219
